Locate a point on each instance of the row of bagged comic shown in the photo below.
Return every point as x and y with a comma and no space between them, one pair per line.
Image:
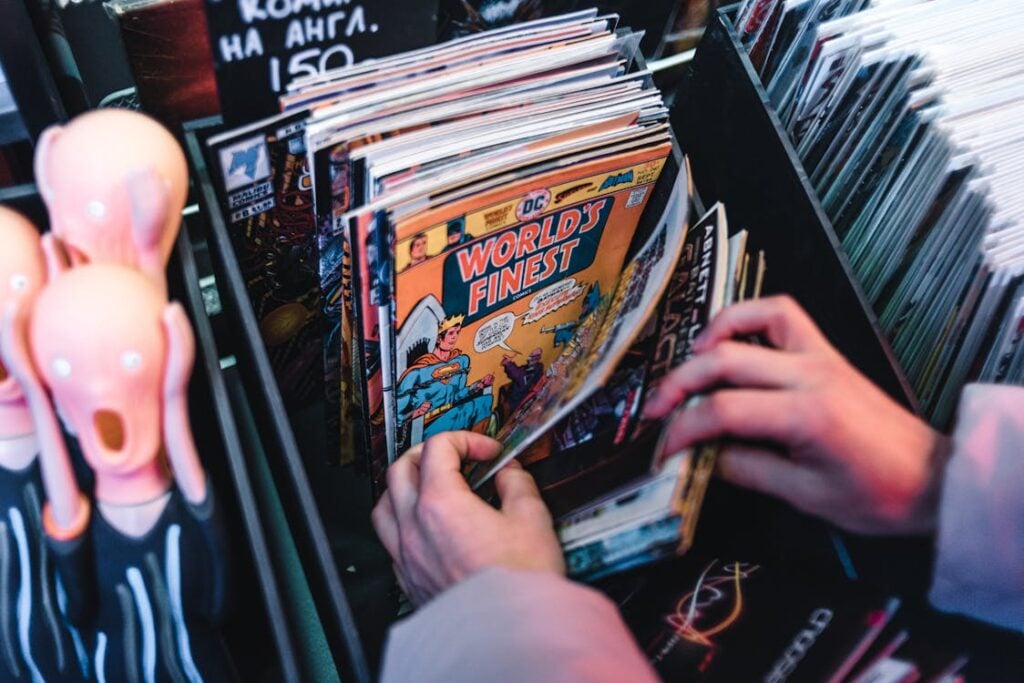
903,113
486,232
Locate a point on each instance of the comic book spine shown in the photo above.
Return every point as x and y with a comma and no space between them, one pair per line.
331,252
384,265
372,286
348,400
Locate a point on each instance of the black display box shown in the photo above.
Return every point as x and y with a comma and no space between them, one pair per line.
739,154
328,507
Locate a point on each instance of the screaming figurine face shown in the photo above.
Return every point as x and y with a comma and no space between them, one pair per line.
22,273
98,344
85,170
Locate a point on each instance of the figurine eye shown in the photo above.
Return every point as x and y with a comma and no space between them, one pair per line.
96,209
18,282
61,367
131,360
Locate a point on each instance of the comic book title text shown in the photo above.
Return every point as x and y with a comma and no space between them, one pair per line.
684,309
490,273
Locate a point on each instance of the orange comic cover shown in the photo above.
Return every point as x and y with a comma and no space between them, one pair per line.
488,289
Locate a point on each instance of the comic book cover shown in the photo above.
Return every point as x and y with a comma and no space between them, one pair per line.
602,338
265,192
603,445
488,290
621,498
338,189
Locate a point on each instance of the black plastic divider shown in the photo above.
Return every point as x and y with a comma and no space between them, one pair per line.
211,404
742,156
24,63
284,457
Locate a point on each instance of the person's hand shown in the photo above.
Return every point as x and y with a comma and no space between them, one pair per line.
439,532
422,410
849,453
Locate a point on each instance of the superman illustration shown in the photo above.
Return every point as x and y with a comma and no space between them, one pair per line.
434,388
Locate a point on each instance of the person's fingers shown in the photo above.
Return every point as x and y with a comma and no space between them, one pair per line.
778,318
403,479
417,595
734,363
397,569
386,526
764,471
441,466
519,495
754,414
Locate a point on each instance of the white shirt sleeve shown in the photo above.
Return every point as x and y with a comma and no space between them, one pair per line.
503,626
979,567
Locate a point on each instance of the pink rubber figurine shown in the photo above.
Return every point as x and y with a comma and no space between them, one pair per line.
143,567
35,641
114,182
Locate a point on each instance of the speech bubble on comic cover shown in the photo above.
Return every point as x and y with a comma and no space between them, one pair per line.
495,332
550,299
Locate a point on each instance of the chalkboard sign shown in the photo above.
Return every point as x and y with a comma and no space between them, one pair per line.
260,46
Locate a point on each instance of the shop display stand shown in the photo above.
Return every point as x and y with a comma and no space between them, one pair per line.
287,462
742,156
739,155
209,400
296,521
329,506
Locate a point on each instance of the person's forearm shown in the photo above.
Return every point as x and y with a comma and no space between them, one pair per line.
502,625
979,569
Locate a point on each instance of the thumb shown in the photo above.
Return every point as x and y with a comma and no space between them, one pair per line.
520,497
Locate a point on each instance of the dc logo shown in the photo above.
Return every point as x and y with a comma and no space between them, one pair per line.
533,205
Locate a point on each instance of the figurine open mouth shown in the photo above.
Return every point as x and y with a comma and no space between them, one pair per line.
110,428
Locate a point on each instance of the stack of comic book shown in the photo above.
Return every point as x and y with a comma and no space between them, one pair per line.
904,115
400,138
478,235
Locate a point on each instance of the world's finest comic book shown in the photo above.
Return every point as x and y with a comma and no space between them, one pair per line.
532,260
